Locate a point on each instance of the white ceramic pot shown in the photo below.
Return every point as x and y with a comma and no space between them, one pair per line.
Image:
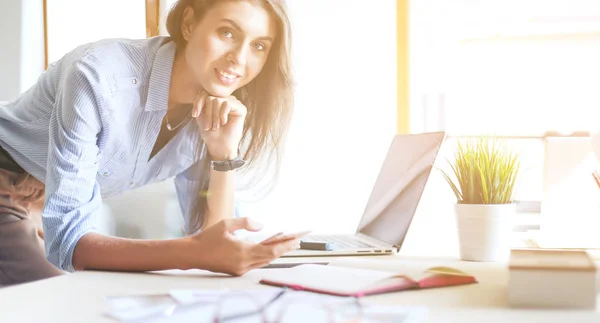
484,231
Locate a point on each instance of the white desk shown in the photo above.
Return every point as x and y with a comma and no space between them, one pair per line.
79,297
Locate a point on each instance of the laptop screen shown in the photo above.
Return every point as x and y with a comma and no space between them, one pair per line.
399,186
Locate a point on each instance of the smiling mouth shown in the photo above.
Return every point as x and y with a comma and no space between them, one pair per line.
225,74
225,77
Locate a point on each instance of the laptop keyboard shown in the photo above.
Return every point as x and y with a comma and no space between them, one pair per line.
341,241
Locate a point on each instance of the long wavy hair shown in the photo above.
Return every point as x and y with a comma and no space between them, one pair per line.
269,99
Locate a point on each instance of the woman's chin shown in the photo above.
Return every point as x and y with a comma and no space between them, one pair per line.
219,91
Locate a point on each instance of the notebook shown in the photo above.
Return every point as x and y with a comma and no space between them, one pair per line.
536,275
346,279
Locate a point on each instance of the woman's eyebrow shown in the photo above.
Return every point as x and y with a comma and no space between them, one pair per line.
233,23
236,26
267,38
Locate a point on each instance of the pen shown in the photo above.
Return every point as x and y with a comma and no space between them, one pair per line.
313,245
596,178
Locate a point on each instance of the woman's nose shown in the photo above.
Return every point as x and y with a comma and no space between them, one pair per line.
237,56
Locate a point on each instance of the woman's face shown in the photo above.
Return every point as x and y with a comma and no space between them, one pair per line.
229,46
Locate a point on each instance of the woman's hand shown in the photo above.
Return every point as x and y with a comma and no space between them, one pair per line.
221,123
217,248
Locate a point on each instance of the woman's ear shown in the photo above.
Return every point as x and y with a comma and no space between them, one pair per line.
187,22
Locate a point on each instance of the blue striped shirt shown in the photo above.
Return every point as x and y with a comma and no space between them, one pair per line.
87,128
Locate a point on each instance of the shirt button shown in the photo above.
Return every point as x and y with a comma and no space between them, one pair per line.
134,81
105,174
132,184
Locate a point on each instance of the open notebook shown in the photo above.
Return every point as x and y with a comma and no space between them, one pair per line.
347,279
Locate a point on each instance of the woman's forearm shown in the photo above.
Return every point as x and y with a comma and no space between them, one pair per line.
220,197
96,251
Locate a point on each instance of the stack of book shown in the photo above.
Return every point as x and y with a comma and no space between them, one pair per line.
552,279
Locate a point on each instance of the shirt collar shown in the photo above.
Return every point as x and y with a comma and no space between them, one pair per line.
160,77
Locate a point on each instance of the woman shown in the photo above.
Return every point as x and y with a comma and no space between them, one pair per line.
117,114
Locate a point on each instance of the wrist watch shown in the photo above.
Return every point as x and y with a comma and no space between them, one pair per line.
227,165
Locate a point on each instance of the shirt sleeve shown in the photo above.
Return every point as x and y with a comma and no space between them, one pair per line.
184,183
72,192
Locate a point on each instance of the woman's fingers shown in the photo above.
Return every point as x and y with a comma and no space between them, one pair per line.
275,250
255,256
199,102
219,112
236,108
208,111
216,115
216,111
225,109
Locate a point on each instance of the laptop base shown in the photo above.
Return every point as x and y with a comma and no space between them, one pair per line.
341,252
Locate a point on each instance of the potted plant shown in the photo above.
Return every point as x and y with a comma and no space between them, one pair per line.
484,175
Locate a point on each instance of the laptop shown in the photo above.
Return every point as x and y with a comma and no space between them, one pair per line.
393,201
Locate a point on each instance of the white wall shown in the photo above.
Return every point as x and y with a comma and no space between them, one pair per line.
22,39
344,56
10,55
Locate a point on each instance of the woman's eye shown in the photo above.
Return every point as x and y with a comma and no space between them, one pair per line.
259,46
226,33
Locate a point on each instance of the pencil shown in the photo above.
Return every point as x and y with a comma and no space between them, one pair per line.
596,178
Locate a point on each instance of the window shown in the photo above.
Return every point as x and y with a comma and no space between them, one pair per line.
22,54
524,69
75,22
515,68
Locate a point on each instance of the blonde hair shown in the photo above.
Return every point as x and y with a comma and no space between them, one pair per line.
269,98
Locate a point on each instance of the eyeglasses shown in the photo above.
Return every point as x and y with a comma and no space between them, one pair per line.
243,305
297,310
265,306
296,306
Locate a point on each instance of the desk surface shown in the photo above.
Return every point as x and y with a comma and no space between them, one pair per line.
79,297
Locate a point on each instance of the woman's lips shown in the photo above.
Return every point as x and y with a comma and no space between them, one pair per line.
226,77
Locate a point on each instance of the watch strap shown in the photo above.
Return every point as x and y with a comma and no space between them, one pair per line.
227,165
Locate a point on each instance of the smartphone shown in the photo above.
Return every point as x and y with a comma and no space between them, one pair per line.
284,236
